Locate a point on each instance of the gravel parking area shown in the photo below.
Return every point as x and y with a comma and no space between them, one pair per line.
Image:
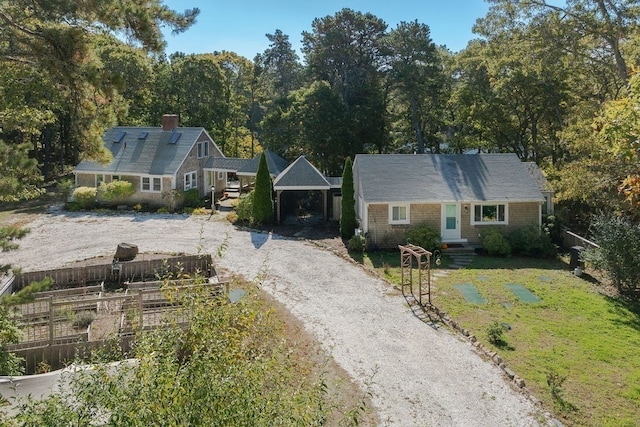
418,375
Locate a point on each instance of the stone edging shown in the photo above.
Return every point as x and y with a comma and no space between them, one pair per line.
484,351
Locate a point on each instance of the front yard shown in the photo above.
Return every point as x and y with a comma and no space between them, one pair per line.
576,349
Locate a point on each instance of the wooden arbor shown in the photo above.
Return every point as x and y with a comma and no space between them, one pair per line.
408,254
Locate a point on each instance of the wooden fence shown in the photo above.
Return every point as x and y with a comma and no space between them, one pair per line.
570,240
49,333
119,271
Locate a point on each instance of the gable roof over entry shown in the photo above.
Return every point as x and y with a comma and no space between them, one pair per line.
428,178
301,175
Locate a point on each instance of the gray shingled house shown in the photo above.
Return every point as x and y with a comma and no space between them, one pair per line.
458,194
156,160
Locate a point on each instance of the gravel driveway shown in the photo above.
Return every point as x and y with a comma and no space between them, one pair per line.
418,375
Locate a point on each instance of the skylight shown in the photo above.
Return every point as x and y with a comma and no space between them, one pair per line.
175,137
143,134
119,136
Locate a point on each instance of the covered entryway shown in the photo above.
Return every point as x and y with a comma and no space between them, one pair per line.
302,192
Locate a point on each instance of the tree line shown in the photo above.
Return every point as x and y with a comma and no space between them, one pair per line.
555,84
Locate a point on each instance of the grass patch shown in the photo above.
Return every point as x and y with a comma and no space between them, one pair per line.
576,349
387,263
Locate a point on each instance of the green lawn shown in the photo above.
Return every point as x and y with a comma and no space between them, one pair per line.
574,332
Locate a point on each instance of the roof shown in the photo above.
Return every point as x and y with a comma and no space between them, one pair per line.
335,181
275,164
536,173
427,178
301,175
229,164
144,150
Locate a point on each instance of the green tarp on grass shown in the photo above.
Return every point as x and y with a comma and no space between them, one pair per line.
470,293
523,294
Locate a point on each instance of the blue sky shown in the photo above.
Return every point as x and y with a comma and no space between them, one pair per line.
240,25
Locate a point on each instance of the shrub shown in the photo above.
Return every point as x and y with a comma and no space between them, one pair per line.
424,236
495,243
263,194
244,208
191,199
83,319
553,227
357,243
174,198
348,220
202,211
619,251
232,217
163,210
115,190
65,187
531,242
495,333
85,197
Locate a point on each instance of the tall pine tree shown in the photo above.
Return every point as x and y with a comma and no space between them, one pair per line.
262,196
348,221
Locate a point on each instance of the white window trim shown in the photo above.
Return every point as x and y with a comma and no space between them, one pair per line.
407,220
193,180
99,180
202,149
506,214
151,179
220,175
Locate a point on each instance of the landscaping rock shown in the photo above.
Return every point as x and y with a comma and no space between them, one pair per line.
126,252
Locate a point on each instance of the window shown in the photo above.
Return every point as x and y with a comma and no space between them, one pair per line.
220,176
151,183
115,177
203,149
99,179
190,180
490,214
399,214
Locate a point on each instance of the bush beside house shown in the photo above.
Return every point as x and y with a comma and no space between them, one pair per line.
348,222
263,194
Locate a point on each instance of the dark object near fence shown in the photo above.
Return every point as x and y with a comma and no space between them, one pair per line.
574,260
126,252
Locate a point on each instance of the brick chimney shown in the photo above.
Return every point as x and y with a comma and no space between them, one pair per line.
169,121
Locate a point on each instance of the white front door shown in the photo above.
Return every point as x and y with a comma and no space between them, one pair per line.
450,222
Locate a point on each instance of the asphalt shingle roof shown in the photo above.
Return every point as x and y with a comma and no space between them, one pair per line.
152,155
275,164
423,178
229,164
301,175
537,174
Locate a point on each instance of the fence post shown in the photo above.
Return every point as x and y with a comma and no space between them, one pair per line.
51,320
140,314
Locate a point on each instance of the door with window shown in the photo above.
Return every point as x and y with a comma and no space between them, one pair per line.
450,222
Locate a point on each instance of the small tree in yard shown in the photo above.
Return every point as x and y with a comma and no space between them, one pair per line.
262,197
348,221
619,252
